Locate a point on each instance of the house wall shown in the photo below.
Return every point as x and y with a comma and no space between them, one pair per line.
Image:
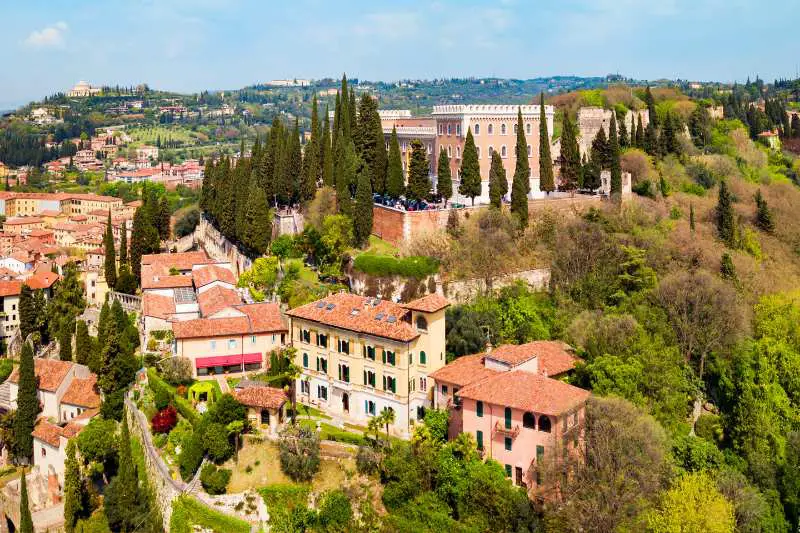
242,344
50,459
10,322
276,418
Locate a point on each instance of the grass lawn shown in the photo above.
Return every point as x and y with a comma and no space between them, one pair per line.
150,134
378,246
187,512
305,410
268,470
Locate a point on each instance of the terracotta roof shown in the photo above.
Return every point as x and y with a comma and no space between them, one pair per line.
428,304
259,318
372,316
50,213
555,357
42,280
51,373
181,261
47,432
83,393
10,287
216,299
19,221
464,370
526,391
5,272
155,278
87,414
157,306
72,429
266,397
211,273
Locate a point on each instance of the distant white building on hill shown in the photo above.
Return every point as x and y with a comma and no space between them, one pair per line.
83,89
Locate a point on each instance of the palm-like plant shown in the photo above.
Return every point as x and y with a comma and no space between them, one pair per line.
386,418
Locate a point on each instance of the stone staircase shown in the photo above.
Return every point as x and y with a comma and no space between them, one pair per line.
5,396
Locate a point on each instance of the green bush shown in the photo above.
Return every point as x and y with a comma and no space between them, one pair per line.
709,427
181,404
215,480
384,265
6,367
161,398
693,188
187,512
216,442
284,496
191,456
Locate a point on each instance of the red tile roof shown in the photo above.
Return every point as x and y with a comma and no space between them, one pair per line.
211,273
156,278
512,354
464,370
216,299
20,221
157,306
10,287
265,397
51,372
264,317
83,393
428,304
554,356
181,261
42,280
526,391
359,314
259,318
47,432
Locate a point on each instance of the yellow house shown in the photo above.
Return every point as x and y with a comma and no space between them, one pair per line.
359,355
235,340
3,170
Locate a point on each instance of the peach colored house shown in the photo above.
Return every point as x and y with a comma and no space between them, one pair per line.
509,402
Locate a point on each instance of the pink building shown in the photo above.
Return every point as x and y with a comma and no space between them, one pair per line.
509,401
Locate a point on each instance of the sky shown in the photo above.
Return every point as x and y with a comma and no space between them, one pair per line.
47,46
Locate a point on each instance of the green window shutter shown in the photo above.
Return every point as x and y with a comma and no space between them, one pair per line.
365,377
539,454
383,357
317,364
479,408
479,438
423,359
384,382
508,417
508,443
305,360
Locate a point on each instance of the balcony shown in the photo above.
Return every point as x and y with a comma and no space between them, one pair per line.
500,427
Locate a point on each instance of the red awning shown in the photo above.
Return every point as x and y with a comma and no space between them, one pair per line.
227,360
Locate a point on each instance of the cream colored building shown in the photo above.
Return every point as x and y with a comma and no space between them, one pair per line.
359,355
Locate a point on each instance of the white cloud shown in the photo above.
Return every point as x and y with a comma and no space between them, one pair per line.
50,37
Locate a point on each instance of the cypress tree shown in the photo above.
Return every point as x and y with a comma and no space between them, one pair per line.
795,126
691,217
83,344
25,518
103,330
590,174
144,240
369,142
311,167
164,218
601,150
639,131
258,223
570,156
362,219
123,243
395,182
616,170
546,178
380,157
453,228
349,166
521,184
327,152
498,186
764,218
74,499
651,107
470,185
65,343
110,266
624,142
444,180
294,167
727,268
419,184
118,366
122,493
27,405
315,138
726,225
27,312
351,109
337,122
650,143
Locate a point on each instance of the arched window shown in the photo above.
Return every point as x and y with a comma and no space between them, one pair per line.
528,128
490,129
544,424
422,323
458,152
478,149
449,151
529,150
449,129
491,151
477,129
503,151
528,420
516,129
503,128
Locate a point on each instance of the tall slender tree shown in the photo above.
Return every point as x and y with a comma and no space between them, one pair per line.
27,405
27,312
616,170
651,107
123,243
83,344
470,173
691,217
25,518
419,184
444,180
764,219
521,183
74,496
546,178
348,164
498,184
570,156
362,219
639,131
327,152
144,240
258,223
65,343
726,224
395,182
110,266
164,218
122,494
624,141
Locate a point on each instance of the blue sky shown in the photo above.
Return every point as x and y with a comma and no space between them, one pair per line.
189,45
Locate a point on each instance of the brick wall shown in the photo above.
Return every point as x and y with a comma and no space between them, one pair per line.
387,223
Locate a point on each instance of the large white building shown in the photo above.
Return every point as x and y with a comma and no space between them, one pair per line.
83,89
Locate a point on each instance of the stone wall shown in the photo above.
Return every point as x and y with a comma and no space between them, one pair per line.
220,248
591,119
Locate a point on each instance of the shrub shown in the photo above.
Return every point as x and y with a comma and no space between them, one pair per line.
187,223
675,213
335,512
644,188
693,188
177,370
152,345
284,496
384,265
180,434
187,512
299,453
159,440
6,367
191,456
367,460
161,398
215,480
216,441
164,420
709,427
702,175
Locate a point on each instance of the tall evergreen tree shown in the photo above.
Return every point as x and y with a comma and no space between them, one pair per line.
727,269
258,223
651,107
650,143
118,365
624,141
795,125
110,266
521,184
123,243
726,224
570,156
639,132
316,139
691,217
122,494
419,183
65,343
369,141
616,170
294,166
546,178
351,110
498,184
144,240
25,518
74,496
27,312
308,185
764,219
327,152
444,180
349,165
395,182
362,216
164,218
601,150
337,125
27,405
83,344
470,174
103,330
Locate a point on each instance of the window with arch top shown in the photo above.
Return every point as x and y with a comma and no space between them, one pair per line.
503,151
529,420
476,129
544,424
503,129
422,322
490,129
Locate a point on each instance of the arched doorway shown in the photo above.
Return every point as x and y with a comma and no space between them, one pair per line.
346,402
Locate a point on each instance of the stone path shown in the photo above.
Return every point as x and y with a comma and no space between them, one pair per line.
223,383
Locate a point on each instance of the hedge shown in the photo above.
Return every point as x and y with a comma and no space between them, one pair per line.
385,265
284,496
6,367
187,512
181,404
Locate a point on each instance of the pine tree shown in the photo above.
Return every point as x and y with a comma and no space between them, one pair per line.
65,343
362,219
395,182
691,217
624,142
726,224
122,496
651,107
764,218
83,344
639,131
444,180
25,518
327,152
470,174
74,497
419,184
123,243
546,178
616,170
110,269
27,312
570,156
498,186
27,405
727,268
